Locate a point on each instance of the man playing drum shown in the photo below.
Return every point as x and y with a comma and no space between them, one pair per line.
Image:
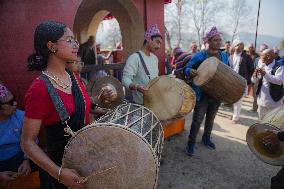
142,66
205,103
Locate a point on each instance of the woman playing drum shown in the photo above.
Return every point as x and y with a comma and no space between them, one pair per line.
52,96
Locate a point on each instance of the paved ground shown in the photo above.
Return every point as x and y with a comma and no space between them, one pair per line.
230,166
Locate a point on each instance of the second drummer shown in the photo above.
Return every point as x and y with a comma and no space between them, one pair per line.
142,66
205,103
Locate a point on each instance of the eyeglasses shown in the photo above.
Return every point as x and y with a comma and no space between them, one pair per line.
71,41
11,102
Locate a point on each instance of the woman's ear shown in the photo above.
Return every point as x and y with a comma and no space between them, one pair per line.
51,46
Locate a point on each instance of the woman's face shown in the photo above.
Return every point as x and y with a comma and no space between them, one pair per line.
67,46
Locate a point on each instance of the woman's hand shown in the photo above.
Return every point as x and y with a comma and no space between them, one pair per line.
25,168
70,178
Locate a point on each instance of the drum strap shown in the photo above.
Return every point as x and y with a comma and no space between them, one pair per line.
144,65
56,100
79,101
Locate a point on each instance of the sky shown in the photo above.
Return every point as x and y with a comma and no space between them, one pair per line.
271,19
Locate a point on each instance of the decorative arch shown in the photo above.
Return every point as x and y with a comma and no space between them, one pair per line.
91,12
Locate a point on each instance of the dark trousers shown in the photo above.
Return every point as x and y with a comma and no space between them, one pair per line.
277,182
13,163
207,105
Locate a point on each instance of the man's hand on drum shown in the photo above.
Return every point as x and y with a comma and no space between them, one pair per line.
193,73
70,178
271,139
138,87
142,89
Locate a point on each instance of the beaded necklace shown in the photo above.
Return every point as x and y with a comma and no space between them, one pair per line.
58,81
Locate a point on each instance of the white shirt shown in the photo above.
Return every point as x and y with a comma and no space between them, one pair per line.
264,98
235,63
134,72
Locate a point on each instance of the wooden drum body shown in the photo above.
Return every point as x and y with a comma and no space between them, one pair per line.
169,98
121,150
274,120
220,81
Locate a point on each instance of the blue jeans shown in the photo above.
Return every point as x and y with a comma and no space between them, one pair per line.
207,105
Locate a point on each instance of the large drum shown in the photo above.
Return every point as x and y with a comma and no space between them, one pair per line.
169,98
121,150
220,81
271,154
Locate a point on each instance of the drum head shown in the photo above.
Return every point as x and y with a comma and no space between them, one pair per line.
111,157
167,97
206,71
271,155
95,85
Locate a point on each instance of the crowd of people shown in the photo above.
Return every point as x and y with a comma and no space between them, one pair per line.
57,100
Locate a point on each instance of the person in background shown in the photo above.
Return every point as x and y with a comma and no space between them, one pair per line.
87,51
193,48
227,47
257,62
13,161
242,64
75,66
277,57
251,52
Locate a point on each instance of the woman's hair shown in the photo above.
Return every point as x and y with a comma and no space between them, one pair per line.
45,32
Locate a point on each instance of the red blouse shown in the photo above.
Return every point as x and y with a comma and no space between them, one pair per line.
38,103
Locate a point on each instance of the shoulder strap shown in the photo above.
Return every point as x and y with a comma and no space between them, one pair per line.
56,100
143,64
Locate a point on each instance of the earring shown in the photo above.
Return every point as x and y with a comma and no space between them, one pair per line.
53,50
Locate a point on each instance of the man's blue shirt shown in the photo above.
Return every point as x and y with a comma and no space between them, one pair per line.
10,135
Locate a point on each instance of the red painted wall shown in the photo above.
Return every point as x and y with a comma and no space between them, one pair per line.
18,20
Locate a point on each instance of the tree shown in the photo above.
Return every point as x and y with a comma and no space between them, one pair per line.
179,4
238,14
109,34
203,15
175,22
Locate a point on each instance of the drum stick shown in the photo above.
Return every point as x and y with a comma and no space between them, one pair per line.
98,173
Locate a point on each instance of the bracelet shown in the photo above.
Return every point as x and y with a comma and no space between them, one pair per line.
59,174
